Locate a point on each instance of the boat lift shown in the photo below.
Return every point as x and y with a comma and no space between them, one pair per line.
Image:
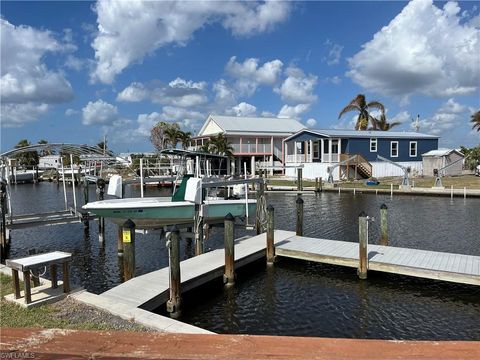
331,168
439,173
406,170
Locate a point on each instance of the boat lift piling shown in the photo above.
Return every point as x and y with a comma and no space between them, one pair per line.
101,221
383,225
175,281
270,235
229,238
299,202
128,240
363,243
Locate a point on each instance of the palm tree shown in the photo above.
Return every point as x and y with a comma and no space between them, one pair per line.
383,125
360,104
185,137
172,136
218,145
476,120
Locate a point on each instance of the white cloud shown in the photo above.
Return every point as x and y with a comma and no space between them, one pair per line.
71,112
402,116
311,122
223,92
99,112
178,92
129,30
447,117
298,87
133,93
249,74
24,78
334,53
243,109
424,49
16,115
293,112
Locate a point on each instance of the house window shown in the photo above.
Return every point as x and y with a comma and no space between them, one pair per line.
373,145
394,149
334,146
316,150
413,148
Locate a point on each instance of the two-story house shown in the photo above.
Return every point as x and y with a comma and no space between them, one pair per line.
354,154
256,141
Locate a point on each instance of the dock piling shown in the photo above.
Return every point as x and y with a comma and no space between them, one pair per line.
270,235
173,245
299,179
198,225
86,194
299,203
120,241
363,242
383,225
260,198
128,239
3,209
101,221
229,275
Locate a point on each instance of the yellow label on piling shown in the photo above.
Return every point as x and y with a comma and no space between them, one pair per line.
126,236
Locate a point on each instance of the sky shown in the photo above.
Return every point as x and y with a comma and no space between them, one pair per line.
74,72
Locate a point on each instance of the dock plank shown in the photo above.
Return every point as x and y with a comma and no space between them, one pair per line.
458,268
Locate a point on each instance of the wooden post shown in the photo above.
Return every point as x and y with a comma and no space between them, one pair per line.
229,275
383,225
260,198
119,241
128,239
26,283
198,231
299,179
270,235
101,220
16,284
299,203
173,245
363,241
53,275
66,277
3,209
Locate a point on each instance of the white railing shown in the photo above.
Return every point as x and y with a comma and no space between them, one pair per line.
330,158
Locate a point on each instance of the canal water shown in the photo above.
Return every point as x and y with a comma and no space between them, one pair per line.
294,297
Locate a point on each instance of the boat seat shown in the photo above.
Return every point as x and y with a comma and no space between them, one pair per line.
179,194
193,191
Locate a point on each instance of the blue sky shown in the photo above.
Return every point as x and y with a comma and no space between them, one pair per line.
75,71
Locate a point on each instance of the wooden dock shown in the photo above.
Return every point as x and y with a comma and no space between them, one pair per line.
151,290
457,268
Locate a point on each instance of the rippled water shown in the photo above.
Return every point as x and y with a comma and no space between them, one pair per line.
295,297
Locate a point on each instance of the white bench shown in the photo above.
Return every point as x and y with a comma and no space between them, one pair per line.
26,264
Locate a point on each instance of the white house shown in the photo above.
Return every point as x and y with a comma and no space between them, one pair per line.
49,162
256,141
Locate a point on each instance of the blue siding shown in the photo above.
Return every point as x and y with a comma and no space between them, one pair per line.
362,146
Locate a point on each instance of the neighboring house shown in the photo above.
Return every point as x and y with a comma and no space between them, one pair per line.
319,149
49,162
256,141
438,159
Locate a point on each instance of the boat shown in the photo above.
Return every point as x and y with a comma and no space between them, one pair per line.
25,176
180,209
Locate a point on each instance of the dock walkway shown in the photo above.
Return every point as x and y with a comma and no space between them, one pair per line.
464,269
152,290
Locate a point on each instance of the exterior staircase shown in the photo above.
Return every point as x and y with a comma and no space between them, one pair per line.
356,168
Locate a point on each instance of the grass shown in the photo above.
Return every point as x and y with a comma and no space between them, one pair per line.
65,314
468,181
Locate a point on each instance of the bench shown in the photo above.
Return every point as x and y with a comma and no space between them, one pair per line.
31,263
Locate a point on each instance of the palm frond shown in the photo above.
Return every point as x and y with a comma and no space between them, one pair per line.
349,107
377,105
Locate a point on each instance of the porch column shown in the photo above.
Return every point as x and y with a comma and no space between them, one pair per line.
252,166
321,150
339,148
330,149
311,151
229,166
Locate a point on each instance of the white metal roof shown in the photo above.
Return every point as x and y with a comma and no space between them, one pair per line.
254,125
442,152
341,133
